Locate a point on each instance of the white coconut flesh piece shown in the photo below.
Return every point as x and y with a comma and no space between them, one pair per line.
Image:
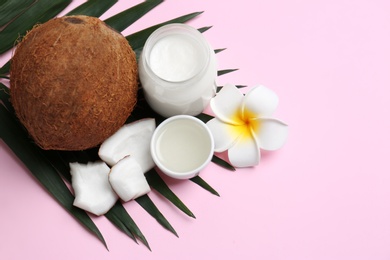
131,139
128,180
91,186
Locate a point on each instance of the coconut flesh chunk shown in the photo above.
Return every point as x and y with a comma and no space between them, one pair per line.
131,139
128,180
91,186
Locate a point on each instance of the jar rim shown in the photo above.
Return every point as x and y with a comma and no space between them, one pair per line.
177,29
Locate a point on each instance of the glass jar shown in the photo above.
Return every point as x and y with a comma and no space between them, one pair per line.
177,69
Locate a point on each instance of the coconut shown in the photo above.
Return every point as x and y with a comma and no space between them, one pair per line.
73,82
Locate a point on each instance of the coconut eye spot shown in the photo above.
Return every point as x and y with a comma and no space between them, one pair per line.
74,20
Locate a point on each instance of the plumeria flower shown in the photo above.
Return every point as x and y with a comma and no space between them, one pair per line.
243,124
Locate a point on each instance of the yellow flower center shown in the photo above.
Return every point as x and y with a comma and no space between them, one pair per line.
246,124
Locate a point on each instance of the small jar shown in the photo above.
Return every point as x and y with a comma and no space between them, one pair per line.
177,70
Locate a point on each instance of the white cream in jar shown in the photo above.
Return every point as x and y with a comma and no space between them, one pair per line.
177,70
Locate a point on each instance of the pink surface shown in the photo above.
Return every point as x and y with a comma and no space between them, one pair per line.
324,195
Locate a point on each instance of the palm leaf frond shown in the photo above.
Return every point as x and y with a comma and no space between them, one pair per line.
122,220
126,18
138,39
9,10
238,86
51,168
219,50
223,72
117,215
93,8
156,182
145,202
15,137
204,29
219,161
202,183
39,12
4,71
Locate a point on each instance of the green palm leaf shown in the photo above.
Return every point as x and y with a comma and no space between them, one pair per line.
93,8
10,9
117,215
219,50
122,220
4,97
223,72
222,163
137,40
117,221
58,162
156,182
238,86
202,183
49,166
40,12
15,137
4,71
145,202
204,117
126,18
203,29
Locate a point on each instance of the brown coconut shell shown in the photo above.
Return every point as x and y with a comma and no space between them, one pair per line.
73,82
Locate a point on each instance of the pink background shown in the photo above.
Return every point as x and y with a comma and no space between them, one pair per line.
324,195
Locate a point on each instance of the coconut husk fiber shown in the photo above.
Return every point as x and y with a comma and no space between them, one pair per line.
73,82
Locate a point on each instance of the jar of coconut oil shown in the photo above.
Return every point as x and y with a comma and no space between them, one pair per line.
177,70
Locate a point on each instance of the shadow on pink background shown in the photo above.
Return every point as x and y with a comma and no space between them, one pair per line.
324,195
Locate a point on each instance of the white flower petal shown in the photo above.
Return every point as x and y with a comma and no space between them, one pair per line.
226,105
271,133
260,101
244,153
224,134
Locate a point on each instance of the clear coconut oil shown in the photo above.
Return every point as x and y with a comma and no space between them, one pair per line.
177,70
181,146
